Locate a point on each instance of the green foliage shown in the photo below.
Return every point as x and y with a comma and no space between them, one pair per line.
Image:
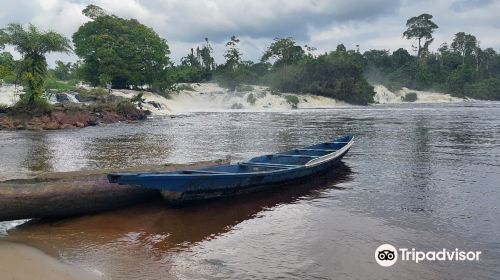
292,100
53,84
488,89
124,107
284,51
410,97
33,105
120,51
62,71
338,74
232,54
420,27
33,45
7,65
138,99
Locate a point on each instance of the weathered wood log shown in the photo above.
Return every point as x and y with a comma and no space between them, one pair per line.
65,194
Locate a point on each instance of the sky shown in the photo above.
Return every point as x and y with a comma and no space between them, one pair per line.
323,24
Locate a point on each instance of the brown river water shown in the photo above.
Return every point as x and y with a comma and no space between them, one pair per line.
422,176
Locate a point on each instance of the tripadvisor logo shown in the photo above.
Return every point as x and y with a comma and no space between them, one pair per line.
387,255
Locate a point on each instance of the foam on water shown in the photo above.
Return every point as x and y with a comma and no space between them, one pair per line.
385,96
211,97
5,226
9,94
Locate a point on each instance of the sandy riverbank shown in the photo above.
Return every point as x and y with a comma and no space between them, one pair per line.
21,262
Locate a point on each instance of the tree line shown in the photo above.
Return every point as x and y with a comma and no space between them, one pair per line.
127,54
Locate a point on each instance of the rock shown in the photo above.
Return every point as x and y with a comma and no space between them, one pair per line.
85,98
155,104
79,124
62,98
65,126
237,106
51,126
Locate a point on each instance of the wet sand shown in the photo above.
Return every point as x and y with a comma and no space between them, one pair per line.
22,262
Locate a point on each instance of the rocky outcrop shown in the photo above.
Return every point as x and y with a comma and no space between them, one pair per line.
85,98
62,119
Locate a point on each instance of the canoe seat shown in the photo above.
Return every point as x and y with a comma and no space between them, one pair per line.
316,150
299,156
204,172
273,165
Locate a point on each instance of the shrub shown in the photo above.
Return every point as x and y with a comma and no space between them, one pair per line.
292,100
39,106
488,89
124,107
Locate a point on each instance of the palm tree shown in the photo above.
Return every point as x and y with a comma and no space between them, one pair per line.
33,45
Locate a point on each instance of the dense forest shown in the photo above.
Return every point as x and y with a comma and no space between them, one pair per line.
124,53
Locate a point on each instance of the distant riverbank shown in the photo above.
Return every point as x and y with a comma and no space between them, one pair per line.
92,106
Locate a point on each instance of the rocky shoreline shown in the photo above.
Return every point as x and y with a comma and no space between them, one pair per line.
63,118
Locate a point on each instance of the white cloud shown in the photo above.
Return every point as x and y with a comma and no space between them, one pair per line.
319,23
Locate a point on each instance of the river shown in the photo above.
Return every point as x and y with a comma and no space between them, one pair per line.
422,176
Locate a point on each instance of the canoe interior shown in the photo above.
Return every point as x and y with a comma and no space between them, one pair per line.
267,163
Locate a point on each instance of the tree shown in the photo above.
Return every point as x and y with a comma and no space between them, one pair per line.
33,45
284,51
400,57
232,54
205,56
62,71
120,51
464,44
488,55
7,65
420,28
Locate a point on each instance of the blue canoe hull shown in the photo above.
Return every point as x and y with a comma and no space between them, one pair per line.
228,180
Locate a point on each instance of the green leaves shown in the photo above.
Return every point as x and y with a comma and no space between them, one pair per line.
121,51
284,51
420,27
33,45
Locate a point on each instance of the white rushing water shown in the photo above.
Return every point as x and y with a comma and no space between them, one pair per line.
385,96
9,94
210,97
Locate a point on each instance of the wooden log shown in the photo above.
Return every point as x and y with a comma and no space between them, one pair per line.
63,194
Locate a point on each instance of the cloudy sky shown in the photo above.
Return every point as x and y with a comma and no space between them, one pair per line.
372,24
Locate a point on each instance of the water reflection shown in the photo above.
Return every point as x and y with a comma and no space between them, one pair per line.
153,229
39,154
182,225
127,150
